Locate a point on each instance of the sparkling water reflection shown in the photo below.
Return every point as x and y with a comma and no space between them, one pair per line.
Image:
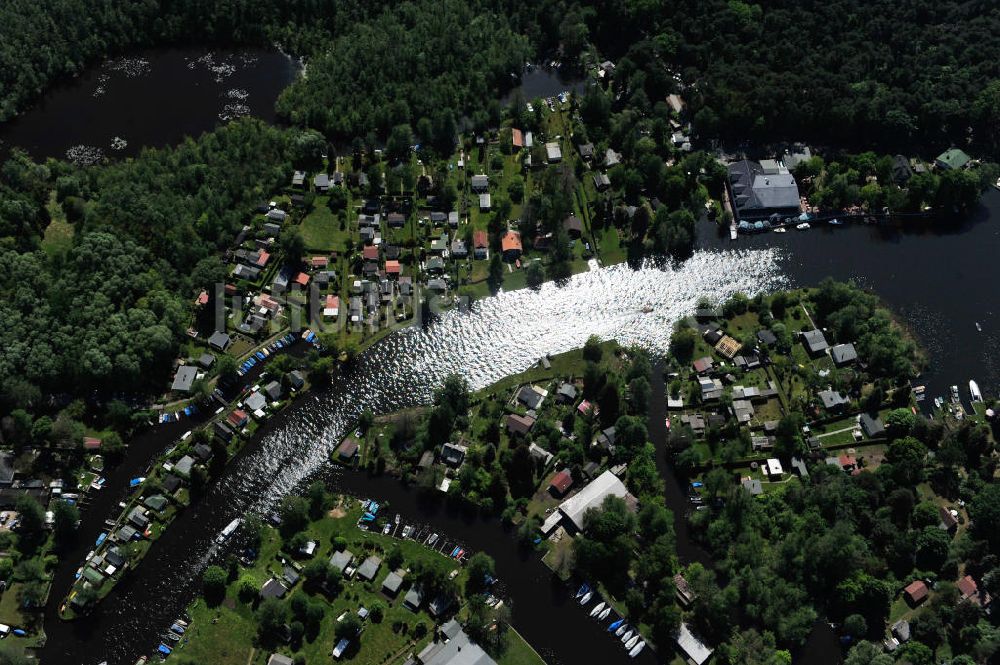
500,336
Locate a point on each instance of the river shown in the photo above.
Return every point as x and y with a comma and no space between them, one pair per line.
940,282
497,337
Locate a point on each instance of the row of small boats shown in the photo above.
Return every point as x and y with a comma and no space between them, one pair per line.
629,636
172,636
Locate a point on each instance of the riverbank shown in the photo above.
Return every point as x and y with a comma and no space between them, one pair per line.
177,476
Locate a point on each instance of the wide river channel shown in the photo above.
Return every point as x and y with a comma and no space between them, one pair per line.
940,282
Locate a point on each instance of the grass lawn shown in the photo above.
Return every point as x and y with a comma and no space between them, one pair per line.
559,558
519,652
742,325
321,229
11,614
10,608
609,246
570,363
58,237
219,635
838,439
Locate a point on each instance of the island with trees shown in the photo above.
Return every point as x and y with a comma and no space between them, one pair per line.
319,580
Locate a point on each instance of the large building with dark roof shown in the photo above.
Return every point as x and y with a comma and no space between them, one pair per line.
758,192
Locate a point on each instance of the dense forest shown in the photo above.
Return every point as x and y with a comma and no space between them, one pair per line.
422,63
843,72
110,312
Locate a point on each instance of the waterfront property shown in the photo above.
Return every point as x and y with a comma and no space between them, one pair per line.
759,190
571,512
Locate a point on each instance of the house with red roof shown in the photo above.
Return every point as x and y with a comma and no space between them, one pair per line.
511,246
269,303
91,443
517,138
480,244
319,262
263,258
969,590
915,592
370,253
561,482
393,268
302,279
519,425
331,308
238,418
202,299
347,449
702,365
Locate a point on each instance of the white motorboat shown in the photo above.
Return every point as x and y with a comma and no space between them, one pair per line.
804,226
632,642
586,598
781,229
604,615
597,609
977,396
636,649
621,630
627,636
229,530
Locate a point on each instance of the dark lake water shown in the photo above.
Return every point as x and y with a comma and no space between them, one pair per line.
542,82
152,98
939,281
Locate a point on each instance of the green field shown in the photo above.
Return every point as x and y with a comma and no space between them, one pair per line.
58,237
519,652
321,228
